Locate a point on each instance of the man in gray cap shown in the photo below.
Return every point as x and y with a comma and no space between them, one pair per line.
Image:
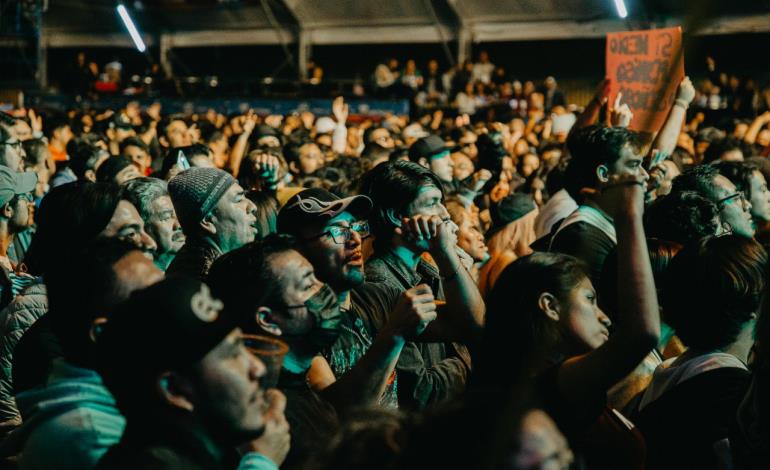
215,215
16,205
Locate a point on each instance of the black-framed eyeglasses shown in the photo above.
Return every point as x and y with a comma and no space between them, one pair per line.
341,235
728,199
18,144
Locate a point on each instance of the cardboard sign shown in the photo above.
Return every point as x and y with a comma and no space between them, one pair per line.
646,67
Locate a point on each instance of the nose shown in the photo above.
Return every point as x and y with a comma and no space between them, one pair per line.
747,205
644,173
603,318
251,208
147,242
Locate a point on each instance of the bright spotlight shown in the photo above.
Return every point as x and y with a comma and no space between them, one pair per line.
621,6
131,28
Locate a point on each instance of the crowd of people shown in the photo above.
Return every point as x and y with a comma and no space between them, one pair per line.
551,291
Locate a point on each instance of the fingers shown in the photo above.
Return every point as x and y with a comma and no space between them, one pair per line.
277,401
616,105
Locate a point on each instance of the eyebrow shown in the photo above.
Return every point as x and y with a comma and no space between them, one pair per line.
136,227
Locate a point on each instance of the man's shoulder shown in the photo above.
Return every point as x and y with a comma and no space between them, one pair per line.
373,301
582,233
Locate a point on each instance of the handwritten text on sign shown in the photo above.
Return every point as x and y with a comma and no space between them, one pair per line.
646,67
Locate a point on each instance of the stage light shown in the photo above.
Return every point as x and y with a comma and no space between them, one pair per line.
131,28
621,6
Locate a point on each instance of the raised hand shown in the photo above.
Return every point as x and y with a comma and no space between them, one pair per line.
686,91
623,195
414,310
340,110
274,443
620,115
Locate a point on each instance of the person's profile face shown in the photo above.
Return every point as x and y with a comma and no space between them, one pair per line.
337,262
139,157
582,319
470,239
296,283
427,203
382,136
235,218
463,166
177,134
760,198
227,395
23,212
163,226
734,209
629,163
126,225
442,166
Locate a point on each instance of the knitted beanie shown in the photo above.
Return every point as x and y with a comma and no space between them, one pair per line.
195,192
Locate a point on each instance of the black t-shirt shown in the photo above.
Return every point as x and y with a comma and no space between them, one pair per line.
682,425
370,305
586,243
313,420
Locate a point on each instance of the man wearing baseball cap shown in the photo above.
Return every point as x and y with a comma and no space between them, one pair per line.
215,215
433,153
188,387
376,319
16,206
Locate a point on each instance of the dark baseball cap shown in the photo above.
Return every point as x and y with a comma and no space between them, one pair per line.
427,147
314,207
121,121
13,183
169,325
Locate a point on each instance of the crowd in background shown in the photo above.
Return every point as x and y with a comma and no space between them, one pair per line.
540,287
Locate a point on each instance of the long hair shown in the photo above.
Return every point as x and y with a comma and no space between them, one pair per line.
518,336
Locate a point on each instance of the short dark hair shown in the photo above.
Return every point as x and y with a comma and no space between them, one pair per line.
392,187
683,217
242,278
369,134
292,150
133,142
715,151
591,147
699,179
739,173
712,289
83,156
36,150
373,152
73,308
141,192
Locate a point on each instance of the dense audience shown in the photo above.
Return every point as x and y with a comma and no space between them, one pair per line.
536,288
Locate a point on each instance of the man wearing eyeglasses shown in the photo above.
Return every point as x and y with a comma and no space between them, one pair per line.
734,207
359,366
11,150
15,216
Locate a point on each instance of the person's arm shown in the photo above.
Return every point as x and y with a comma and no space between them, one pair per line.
462,317
583,378
340,135
365,383
756,126
668,136
239,148
591,112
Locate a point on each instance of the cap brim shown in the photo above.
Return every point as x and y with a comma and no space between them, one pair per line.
25,182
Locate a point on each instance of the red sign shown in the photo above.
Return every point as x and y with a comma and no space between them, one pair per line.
646,67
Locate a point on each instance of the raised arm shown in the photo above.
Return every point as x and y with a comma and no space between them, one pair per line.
591,112
756,126
638,328
665,141
340,135
239,149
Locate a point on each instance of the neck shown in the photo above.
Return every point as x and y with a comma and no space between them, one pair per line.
740,348
58,145
406,255
597,203
6,238
296,361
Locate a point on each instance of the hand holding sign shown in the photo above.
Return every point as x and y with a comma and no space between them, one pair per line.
620,114
646,67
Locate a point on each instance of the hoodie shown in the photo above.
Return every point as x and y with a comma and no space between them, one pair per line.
67,424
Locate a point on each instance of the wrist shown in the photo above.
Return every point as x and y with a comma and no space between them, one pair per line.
683,103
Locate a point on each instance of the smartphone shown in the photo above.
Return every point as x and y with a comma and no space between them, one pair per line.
182,162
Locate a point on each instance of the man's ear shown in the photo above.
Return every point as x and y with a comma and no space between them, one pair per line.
603,173
424,162
549,305
176,390
7,210
266,321
207,224
90,175
96,328
391,216
293,168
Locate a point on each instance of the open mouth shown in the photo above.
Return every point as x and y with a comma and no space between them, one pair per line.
356,259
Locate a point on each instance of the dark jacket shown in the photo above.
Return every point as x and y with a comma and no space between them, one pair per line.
428,373
171,439
194,259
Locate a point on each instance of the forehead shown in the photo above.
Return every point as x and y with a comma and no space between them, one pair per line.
629,152
162,203
125,213
134,149
341,219
289,266
723,186
176,126
428,193
380,132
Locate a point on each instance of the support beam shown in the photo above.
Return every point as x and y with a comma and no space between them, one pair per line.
305,52
41,74
165,59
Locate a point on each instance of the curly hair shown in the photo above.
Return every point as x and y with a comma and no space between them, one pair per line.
739,173
698,178
682,217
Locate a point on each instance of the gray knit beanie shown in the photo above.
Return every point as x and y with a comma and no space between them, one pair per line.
195,192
